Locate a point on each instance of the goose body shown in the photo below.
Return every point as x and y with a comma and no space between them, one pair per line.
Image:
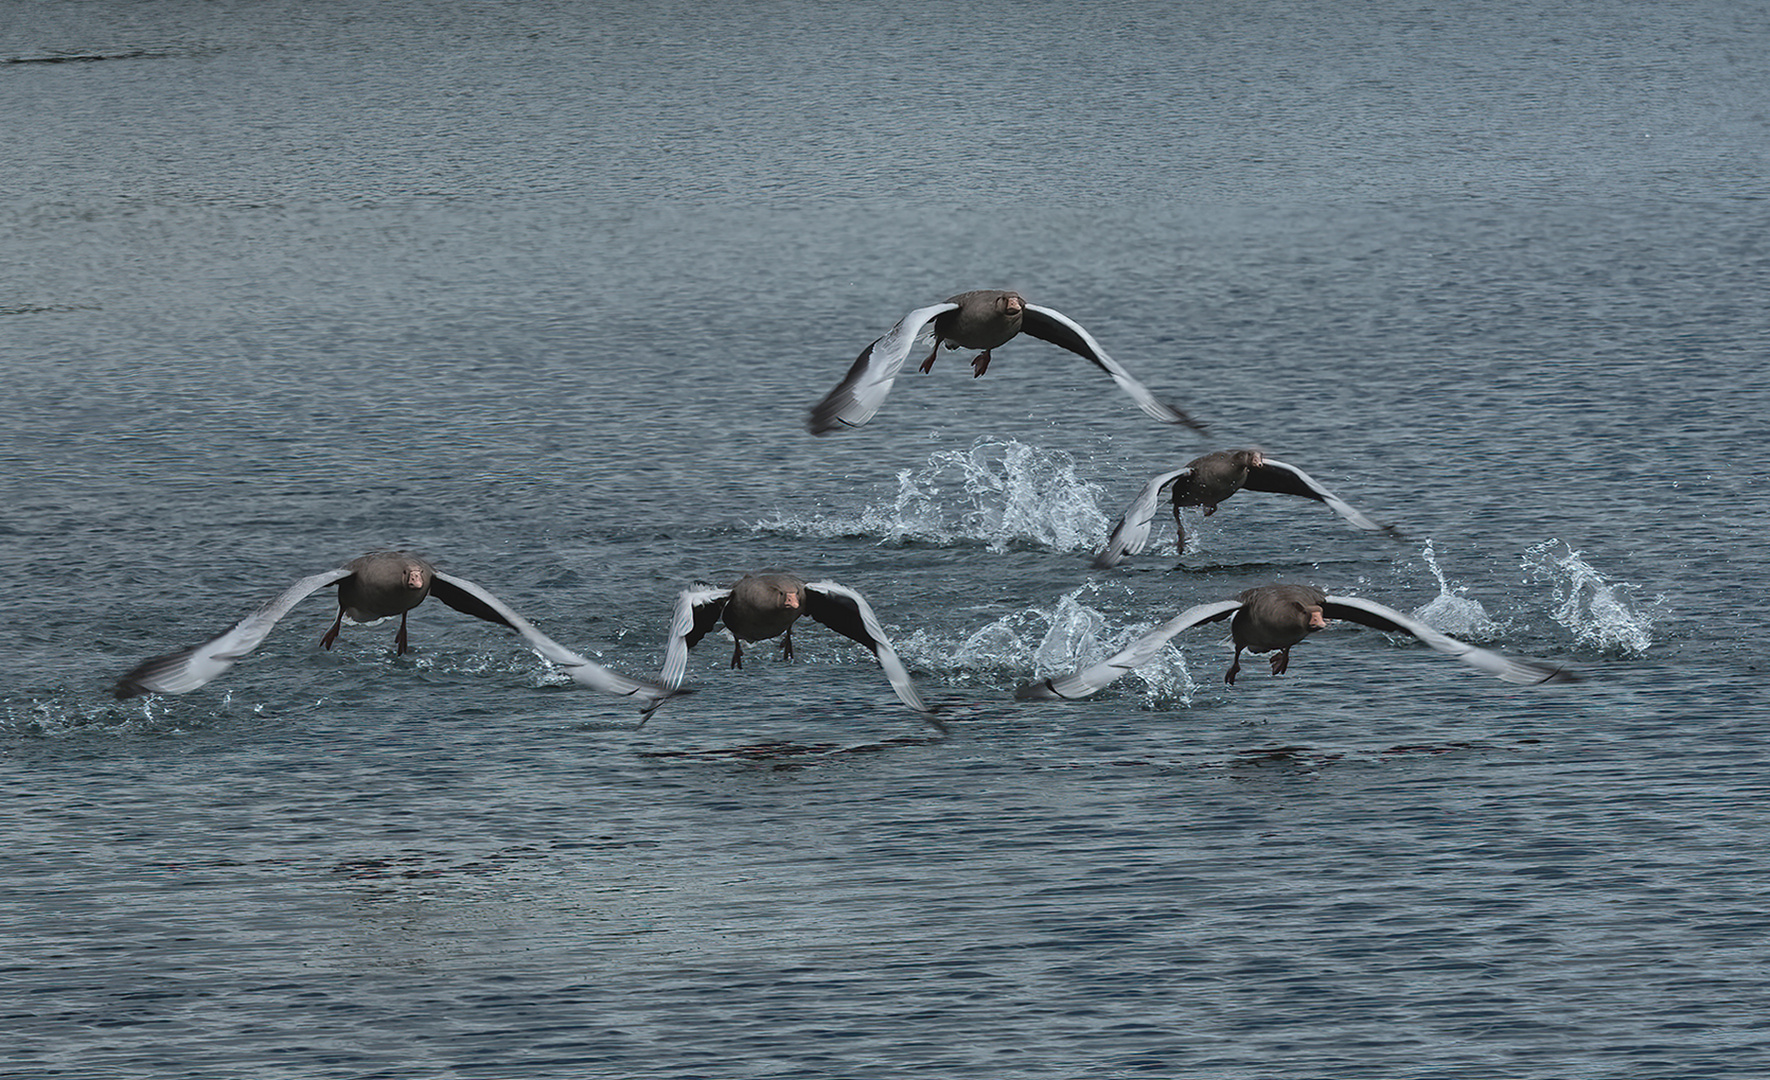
1274,618
983,319
1209,480
766,605
376,586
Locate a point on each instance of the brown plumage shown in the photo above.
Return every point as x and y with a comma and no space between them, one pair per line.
766,605
1209,480
1274,618
982,319
376,586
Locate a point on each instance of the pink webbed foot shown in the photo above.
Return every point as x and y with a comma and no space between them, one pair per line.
1280,661
980,364
928,364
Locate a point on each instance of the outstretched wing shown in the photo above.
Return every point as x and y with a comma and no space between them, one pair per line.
1060,330
697,613
1282,479
1084,681
185,670
848,613
1132,531
858,396
583,671
468,601
1511,669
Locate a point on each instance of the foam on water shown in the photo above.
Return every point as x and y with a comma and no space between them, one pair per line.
1453,612
999,492
1042,642
1601,615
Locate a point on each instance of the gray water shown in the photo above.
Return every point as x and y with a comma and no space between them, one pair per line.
544,291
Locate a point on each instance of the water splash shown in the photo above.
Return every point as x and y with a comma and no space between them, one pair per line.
999,491
1039,642
75,714
1601,615
1451,611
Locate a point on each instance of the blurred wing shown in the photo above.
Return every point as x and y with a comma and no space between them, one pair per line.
583,671
469,602
1511,669
1132,531
187,669
1283,479
697,612
858,396
1084,681
847,613
1060,330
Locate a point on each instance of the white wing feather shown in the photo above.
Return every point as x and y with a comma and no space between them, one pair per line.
681,622
858,396
1511,669
887,656
185,670
1084,681
1334,502
1132,532
1146,401
583,671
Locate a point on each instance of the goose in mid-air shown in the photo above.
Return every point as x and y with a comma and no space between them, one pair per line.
983,319
1273,618
375,586
766,605
1208,480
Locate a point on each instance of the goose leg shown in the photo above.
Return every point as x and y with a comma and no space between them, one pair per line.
332,634
787,644
928,364
1234,667
737,653
980,364
1281,659
399,639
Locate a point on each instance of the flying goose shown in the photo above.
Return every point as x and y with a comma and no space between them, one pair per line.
375,586
983,319
1272,618
1208,480
766,605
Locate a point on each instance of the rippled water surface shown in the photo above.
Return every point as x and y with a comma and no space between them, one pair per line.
544,291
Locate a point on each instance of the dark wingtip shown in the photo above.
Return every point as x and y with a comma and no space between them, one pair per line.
825,417
1180,417
645,711
130,683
